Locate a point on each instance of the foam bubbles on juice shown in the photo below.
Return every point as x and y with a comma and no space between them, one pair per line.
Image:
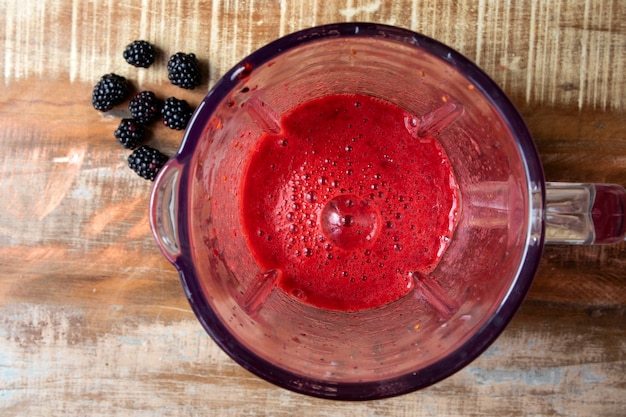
352,206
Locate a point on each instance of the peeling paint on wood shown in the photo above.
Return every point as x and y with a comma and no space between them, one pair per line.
560,52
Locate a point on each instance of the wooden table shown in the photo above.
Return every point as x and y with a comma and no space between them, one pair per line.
93,318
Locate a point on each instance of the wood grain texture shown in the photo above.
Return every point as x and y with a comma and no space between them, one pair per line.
553,52
93,320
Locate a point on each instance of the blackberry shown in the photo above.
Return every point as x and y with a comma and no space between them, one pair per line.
110,91
176,113
130,133
147,162
139,54
145,107
184,71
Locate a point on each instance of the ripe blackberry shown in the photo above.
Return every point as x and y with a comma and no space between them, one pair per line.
145,107
184,71
147,162
176,113
130,133
139,54
110,91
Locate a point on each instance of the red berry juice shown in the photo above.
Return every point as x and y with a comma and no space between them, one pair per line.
346,203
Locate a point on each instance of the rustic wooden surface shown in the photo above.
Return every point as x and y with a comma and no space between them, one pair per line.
92,318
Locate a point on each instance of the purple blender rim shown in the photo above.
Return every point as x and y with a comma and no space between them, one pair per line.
411,381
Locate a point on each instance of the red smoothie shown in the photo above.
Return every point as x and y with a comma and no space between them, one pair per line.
347,203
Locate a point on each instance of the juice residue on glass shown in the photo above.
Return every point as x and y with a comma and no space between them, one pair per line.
346,203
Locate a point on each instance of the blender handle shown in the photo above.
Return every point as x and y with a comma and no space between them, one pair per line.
164,210
584,213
